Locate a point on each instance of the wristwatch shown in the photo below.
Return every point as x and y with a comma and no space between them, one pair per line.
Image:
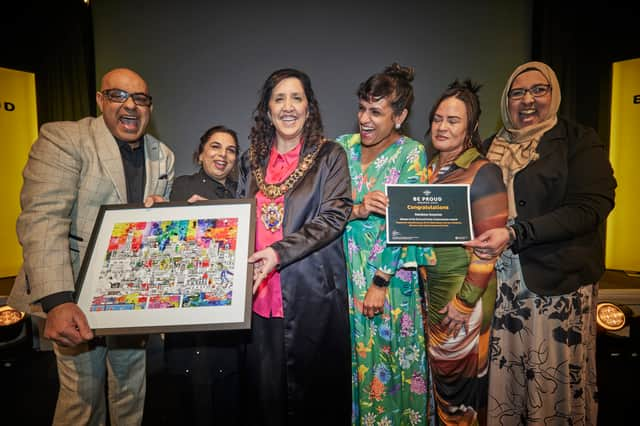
380,281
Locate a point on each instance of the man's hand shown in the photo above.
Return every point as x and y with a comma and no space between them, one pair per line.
67,325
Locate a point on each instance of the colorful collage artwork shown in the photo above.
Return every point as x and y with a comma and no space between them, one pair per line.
168,265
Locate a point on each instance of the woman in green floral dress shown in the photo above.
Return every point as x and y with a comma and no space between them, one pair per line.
389,377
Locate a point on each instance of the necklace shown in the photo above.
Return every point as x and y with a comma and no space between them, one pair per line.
272,212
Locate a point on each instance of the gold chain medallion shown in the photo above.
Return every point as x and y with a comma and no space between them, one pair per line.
272,213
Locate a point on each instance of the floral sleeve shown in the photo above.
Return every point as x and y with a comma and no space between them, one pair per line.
407,166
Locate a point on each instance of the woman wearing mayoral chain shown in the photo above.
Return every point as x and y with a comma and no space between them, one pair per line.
298,358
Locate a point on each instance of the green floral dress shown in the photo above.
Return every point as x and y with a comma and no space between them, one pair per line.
389,367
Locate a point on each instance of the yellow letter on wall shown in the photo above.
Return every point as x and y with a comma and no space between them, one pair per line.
623,225
18,130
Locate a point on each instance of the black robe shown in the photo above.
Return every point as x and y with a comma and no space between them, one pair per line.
314,288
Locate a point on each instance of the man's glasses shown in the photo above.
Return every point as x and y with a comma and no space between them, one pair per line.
120,96
536,91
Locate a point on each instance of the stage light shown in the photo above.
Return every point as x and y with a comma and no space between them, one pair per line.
612,317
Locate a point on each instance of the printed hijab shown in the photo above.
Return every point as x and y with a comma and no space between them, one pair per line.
512,149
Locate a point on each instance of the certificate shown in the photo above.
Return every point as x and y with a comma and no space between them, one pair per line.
428,214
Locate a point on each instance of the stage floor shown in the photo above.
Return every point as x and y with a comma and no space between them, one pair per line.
30,380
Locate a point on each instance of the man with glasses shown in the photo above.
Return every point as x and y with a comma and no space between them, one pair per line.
74,168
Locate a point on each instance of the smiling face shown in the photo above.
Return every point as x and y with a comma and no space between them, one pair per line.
377,122
126,121
219,155
529,110
449,127
288,110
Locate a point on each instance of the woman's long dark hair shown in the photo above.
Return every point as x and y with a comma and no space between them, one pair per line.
263,132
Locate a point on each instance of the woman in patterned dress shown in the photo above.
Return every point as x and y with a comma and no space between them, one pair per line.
461,286
560,187
389,374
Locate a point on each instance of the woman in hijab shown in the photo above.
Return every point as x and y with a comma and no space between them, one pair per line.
561,188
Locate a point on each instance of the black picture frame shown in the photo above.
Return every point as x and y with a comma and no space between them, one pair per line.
169,268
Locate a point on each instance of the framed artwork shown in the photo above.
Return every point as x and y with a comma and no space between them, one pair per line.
172,267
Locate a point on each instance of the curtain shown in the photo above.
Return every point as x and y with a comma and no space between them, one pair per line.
580,43
54,40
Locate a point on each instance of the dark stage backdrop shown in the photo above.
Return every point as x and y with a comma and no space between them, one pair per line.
205,61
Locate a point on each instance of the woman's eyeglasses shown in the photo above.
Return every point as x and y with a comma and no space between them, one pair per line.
536,91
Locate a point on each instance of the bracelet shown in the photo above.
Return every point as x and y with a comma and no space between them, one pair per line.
355,212
512,234
380,281
462,307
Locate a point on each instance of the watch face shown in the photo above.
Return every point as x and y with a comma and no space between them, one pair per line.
610,316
